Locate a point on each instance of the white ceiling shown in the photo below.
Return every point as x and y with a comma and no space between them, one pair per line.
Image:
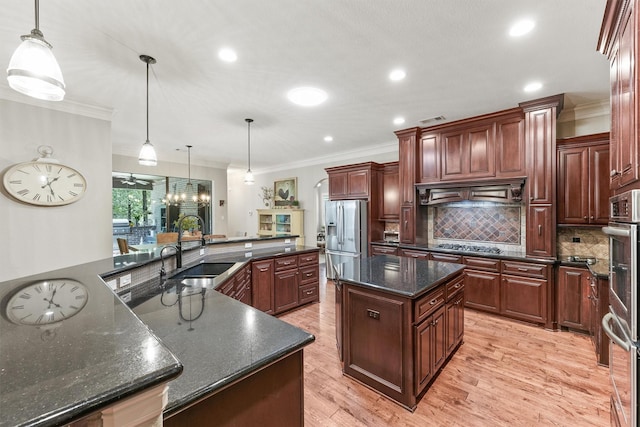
459,60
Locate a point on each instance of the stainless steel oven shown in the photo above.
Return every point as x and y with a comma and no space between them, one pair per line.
621,323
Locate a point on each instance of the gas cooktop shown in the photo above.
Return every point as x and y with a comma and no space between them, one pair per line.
469,248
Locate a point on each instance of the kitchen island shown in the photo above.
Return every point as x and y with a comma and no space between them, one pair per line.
398,321
230,355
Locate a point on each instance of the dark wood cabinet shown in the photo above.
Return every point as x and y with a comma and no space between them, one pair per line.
436,256
599,299
583,180
527,292
285,290
351,181
619,41
407,146
262,285
468,153
574,306
430,347
410,253
482,290
429,166
407,224
510,147
540,140
455,314
383,250
390,207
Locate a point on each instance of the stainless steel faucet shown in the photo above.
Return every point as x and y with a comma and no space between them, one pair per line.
179,246
163,272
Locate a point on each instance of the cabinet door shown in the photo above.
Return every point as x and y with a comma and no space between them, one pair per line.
455,322
407,224
573,298
285,290
358,184
524,298
573,185
338,188
391,193
454,157
407,166
480,148
599,179
439,338
482,290
423,354
430,164
541,152
262,285
510,148
540,236
625,165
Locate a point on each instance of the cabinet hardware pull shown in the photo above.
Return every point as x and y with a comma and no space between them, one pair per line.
406,224
539,230
309,274
522,269
613,172
433,301
531,198
309,292
592,217
457,285
263,269
585,218
373,314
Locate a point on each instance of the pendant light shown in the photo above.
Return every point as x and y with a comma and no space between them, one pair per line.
248,177
190,197
33,70
147,155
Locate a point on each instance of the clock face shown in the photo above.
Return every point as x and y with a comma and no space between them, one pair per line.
46,302
44,184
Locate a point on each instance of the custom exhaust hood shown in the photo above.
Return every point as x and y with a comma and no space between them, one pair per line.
494,190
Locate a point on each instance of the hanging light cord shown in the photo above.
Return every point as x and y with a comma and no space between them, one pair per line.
249,143
189,161
147,101
37,15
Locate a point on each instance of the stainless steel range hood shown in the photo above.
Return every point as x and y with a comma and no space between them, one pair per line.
493,190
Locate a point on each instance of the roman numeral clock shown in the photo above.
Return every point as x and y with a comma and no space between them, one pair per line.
45,181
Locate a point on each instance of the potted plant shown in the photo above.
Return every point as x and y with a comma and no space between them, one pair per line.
189,224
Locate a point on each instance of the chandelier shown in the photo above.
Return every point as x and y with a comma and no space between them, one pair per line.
189,197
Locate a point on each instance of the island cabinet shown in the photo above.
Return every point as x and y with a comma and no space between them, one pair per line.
619,42
397,344
583,180
574,306
239,285
262,285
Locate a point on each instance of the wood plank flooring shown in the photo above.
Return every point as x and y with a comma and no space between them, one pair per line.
506,373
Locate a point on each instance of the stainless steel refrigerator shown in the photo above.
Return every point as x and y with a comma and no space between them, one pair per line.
346,232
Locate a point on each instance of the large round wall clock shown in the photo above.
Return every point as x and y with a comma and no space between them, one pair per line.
44,182
47,301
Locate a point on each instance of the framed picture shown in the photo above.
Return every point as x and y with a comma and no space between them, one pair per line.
284,191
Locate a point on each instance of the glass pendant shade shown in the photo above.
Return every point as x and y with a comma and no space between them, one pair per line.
34,71
248,178
147,155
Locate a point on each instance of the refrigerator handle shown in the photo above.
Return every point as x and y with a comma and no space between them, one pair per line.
607,330
340,230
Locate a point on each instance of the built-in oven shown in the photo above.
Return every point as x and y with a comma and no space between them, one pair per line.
621,323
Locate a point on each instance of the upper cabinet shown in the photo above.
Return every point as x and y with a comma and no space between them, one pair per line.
390,208
583,180
619,41
468,153
484,147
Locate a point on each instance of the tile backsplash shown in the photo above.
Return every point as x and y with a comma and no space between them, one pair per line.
495,224
585,242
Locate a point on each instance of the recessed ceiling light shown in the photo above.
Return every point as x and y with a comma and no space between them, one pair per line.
396,75
398,120
533,86
328,138
227,55
521,28
307,96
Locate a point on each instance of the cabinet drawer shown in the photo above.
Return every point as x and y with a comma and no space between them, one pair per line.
308,293
455,287
445,258
228,287
525,269
286,263
426,305
383,250
310,258
485,264
309,275
413,254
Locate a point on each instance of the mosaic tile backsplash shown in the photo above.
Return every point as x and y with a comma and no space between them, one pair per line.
480,223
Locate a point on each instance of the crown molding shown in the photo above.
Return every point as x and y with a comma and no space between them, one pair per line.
65,106
586,111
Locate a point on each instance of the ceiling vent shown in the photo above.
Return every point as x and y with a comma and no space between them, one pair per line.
431,120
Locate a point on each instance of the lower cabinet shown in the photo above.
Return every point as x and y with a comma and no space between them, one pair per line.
285,284
383,250
262,285
397,345
524,298
574,305
599,298
482,290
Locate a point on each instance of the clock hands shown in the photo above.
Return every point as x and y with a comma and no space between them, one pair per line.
49,184
50,300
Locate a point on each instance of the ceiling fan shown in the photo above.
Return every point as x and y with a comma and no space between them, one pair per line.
131,180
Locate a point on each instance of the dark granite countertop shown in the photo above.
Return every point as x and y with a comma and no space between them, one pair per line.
408,277
106,353
50,375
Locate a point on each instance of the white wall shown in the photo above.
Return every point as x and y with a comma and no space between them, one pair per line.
245,199
217,175
39,239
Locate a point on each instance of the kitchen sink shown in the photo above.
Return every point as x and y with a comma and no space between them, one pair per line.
211,270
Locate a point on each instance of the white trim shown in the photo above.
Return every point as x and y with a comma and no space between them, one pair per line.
66,106
586,111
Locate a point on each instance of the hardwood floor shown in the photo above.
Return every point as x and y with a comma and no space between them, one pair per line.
505,373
